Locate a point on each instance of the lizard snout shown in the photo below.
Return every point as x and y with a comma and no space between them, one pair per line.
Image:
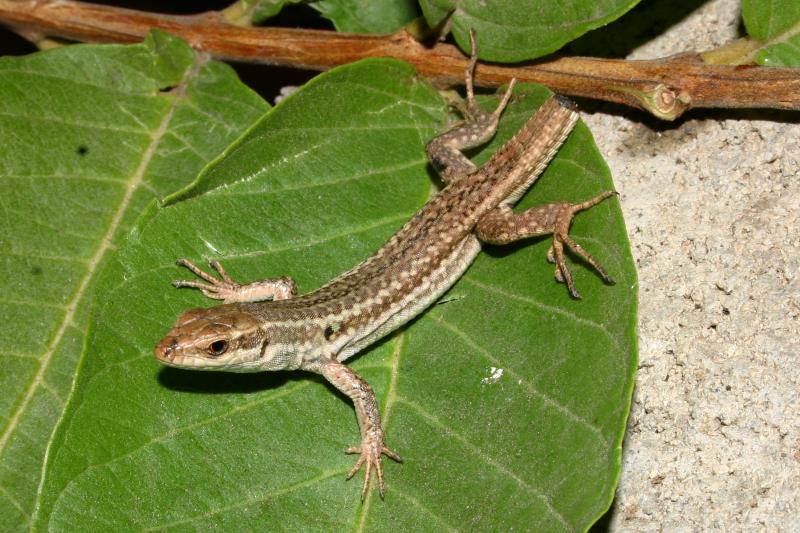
165,350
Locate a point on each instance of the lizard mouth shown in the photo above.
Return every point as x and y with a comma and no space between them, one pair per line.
166,351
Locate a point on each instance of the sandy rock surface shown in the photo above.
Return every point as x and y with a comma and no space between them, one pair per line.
712,206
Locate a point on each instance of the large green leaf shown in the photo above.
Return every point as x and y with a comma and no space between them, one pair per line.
776,23
314,188
518,30
89,136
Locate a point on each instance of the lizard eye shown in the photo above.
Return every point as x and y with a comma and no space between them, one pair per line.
217,348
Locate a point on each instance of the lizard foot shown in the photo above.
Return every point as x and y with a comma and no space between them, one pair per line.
561,237
218,289
229,291
370,451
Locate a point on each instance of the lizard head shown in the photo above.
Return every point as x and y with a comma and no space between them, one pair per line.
225,337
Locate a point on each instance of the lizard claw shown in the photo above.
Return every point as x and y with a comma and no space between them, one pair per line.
219,289
561,238
229,291
370,451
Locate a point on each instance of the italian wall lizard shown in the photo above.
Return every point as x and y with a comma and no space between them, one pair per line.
265,325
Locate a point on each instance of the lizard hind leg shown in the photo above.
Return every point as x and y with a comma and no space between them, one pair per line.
229,291
469,75
479,126
502,226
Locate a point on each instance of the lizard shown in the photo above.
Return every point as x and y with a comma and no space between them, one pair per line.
265,325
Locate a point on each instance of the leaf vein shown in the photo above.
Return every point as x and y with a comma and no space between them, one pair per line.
546,398
544,307
416,503
337,181
31,303
486,459
390,400
60,176
10,497
249,501
173,432
79,123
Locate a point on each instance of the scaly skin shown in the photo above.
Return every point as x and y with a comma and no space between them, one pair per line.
265,326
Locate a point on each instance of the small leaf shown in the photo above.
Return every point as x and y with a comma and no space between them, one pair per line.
263,10
519,30
368,16
356,16
316,186
90,136
765,19
776,24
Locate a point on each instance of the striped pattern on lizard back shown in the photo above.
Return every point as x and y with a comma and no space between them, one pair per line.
264,326
430,252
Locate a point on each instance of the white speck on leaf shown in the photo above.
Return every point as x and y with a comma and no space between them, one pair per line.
494,376
210,246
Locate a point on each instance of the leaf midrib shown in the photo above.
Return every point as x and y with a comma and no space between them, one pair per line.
106,245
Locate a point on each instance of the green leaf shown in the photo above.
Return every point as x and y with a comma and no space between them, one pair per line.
356,16
90,135
368,16
263,10
765,19
316,186
519,30
776,24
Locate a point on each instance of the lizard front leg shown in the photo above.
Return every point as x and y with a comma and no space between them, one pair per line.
229,291
501,226
478,127
373,444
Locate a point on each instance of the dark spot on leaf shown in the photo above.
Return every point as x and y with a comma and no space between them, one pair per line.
116,77
82,150
166,89
36,270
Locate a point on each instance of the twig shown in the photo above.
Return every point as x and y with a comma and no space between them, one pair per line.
665,87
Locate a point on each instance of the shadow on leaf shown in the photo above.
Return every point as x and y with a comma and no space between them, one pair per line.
226,382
